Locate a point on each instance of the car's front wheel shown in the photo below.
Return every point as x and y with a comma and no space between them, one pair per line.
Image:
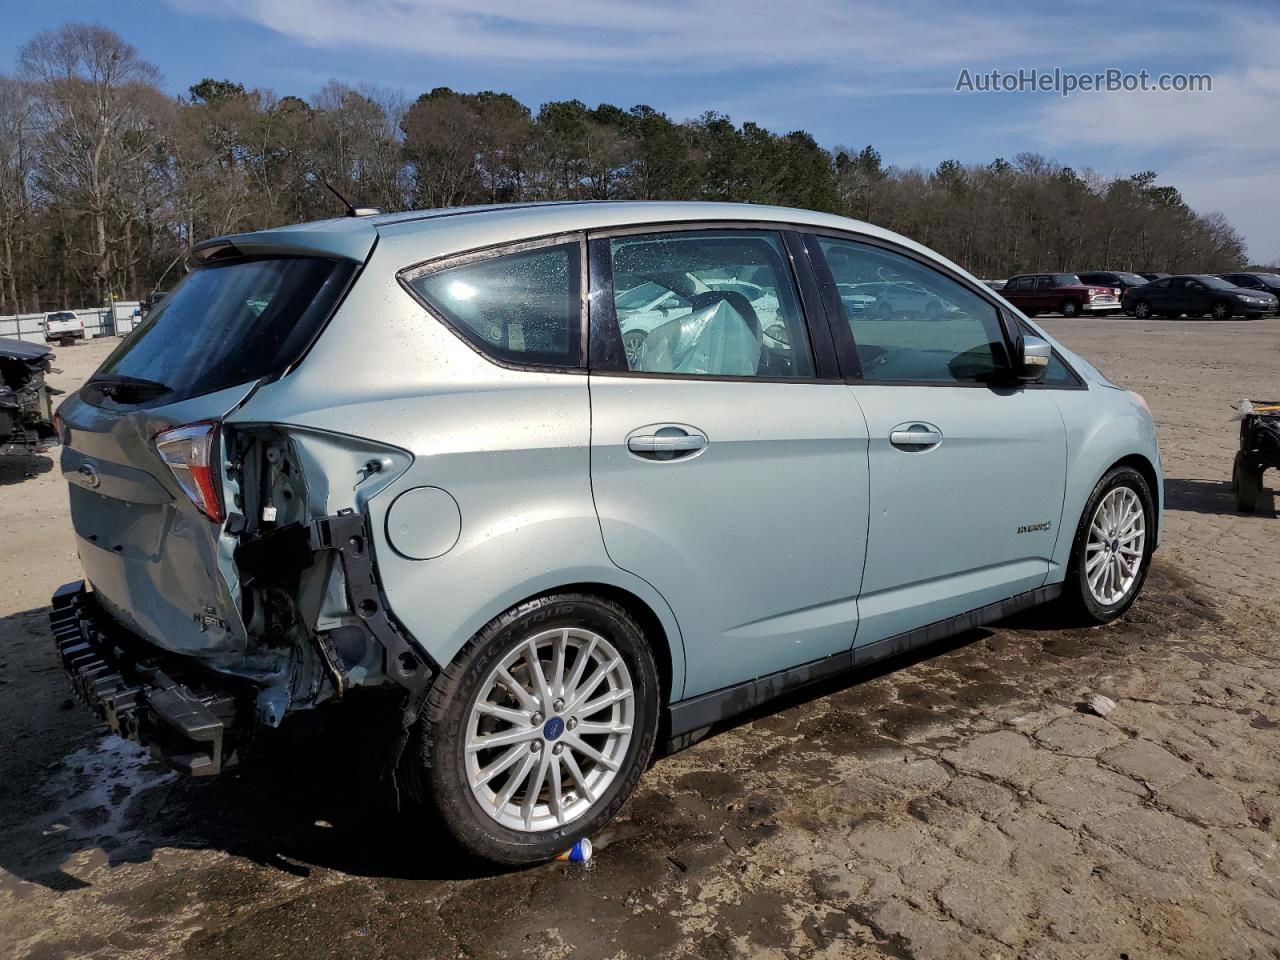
1142,310
539,730
1220,310
1112,548
1069,309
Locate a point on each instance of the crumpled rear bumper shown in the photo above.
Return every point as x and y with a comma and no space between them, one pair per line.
185,724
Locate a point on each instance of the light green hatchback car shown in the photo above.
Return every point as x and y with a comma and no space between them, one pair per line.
570,480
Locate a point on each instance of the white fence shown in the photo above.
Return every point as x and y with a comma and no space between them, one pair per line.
98,322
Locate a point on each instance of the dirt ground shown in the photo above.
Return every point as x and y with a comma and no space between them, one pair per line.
956,805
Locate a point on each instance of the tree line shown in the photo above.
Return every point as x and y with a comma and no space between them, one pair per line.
106,180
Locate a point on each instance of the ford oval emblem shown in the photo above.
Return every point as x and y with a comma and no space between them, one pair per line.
89,474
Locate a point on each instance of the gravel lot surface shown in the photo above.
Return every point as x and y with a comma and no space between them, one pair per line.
959,805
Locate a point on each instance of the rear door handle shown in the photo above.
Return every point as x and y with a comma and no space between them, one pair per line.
915,437
667,442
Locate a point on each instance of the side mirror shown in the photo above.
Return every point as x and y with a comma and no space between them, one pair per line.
1032,360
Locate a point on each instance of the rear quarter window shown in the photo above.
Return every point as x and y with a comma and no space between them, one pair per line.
522,308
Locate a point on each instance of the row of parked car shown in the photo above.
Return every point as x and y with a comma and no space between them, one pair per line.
1144,295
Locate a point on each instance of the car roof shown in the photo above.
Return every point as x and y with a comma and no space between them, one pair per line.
442,232
415,236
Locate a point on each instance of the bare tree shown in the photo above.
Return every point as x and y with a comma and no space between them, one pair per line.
90,88
18,161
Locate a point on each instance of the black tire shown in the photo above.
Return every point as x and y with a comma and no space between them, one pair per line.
434,762
1077,598
1246,481
1220,310
1070,308
1142,310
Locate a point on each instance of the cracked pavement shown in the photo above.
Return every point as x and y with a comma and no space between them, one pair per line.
955,804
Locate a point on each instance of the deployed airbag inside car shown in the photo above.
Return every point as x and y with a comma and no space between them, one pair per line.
716,340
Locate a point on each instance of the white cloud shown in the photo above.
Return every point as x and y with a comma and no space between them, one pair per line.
1220,148
838,37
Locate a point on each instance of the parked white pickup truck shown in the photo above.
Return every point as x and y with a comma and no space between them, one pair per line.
63,326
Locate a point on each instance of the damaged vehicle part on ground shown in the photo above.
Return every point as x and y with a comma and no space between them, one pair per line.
26,408
416,455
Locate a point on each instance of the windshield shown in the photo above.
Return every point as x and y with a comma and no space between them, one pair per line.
1132,279
1216,282
1065,279
228,324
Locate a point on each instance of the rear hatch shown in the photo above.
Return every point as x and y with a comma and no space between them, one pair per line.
143,449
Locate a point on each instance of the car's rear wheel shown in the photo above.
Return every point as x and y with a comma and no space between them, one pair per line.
1142,310
1070,308
539,730
1111,552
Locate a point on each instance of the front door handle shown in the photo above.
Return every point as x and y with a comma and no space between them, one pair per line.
666,442
915,437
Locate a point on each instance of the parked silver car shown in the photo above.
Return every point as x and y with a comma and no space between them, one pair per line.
413,452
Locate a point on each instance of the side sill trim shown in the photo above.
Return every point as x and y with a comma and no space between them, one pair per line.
710,708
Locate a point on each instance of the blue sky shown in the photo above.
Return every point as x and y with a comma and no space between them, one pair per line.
849,71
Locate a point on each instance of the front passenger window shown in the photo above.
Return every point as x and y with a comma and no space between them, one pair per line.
910,322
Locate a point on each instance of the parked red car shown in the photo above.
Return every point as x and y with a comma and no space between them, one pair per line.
1062,293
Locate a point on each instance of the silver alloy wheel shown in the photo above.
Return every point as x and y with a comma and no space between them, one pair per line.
549,729
1142,310
1116,546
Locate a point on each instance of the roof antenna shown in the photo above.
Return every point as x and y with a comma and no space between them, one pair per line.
352,210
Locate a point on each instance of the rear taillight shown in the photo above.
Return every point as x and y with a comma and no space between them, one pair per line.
192,454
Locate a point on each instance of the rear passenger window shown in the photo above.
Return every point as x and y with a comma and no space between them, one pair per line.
912,323
708,303
522,308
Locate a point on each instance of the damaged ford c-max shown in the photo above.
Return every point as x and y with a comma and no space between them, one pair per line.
418,453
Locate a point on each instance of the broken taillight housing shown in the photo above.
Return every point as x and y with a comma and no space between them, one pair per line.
192,454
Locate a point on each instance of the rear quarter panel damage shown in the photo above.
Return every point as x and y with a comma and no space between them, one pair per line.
388,371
